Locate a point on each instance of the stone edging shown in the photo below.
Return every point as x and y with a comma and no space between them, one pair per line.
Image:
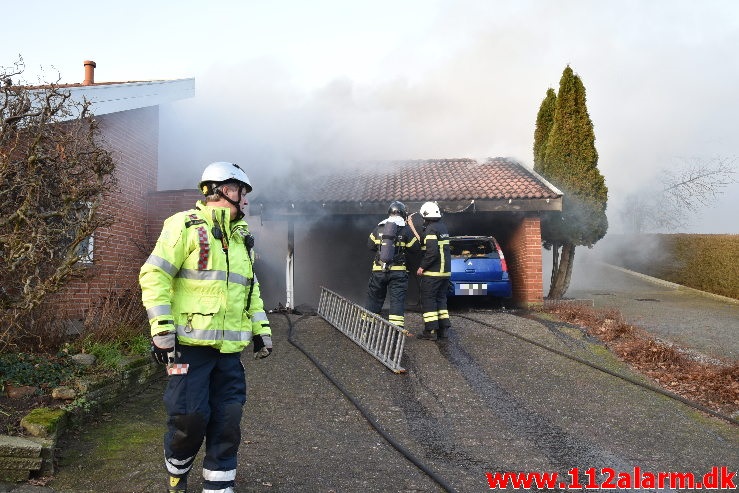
24,457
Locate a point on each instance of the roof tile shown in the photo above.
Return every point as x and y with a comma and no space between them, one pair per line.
433,179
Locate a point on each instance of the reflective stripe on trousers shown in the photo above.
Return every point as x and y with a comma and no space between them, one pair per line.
433,302
393,284
206,403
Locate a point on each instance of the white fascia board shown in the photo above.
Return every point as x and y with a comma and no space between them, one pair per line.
544,181
112,98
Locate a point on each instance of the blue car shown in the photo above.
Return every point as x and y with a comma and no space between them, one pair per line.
478,267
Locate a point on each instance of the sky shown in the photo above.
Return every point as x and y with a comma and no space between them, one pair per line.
292,85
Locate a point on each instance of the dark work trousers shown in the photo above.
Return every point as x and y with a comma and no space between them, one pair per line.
433,292
206,403
393,283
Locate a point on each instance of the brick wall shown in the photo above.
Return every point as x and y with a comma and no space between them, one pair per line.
133,138
524,261
163,204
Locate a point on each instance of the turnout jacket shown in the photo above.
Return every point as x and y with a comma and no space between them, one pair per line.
404,239
189,284
436,260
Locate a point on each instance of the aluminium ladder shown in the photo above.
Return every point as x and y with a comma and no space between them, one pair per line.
380,338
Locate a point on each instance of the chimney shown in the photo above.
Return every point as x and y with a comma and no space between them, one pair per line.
89,73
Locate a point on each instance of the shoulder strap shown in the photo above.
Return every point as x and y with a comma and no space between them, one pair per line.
413,227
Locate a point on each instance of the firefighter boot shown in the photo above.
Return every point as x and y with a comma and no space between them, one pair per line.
429,335
443,334
177,484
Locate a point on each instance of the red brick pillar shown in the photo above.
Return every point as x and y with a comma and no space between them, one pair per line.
525,263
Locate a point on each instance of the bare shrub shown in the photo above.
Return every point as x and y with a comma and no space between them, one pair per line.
54,175
118,316
43,332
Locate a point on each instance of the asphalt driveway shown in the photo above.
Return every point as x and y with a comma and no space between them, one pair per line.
701,321
484,402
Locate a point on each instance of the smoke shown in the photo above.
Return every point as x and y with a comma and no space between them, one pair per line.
330,251
658,86
260,118
336,82
402,80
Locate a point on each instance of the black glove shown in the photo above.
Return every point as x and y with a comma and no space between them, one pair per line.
262,346
162,347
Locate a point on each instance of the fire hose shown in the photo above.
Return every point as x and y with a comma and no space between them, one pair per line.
364,412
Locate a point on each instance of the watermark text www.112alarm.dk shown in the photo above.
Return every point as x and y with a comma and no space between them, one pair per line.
718,478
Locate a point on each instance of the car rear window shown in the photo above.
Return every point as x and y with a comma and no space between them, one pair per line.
472,248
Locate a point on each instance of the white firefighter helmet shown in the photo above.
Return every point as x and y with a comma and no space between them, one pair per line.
220,172
430,210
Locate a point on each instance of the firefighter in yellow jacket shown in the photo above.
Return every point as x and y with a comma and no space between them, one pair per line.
204,306
390,240
434,271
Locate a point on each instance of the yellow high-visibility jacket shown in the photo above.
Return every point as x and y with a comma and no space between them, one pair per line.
191,285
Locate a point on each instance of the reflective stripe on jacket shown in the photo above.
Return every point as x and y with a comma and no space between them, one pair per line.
190,285
404,240
436,260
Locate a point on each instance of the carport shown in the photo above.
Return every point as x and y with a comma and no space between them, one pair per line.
498,197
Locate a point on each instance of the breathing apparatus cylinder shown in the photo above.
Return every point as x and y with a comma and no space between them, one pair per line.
387,244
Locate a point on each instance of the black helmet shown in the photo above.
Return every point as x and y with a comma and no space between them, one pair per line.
398,208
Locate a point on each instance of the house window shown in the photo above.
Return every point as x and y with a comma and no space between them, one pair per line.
85,250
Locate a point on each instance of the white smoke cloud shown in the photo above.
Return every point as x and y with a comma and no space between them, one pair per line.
658,85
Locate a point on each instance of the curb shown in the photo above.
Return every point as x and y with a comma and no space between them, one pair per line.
673,285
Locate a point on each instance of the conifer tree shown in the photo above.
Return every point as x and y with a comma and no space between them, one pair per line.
544,122
570,162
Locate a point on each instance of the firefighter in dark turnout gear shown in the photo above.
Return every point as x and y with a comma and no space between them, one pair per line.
390,239
435,272
204,306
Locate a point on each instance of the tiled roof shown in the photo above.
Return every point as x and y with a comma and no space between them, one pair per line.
432,179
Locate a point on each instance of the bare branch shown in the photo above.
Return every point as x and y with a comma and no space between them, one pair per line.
681,191
699,182
54,173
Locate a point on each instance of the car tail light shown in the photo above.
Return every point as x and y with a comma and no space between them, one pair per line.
503,263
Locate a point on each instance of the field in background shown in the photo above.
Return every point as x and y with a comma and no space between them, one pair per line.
706,262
